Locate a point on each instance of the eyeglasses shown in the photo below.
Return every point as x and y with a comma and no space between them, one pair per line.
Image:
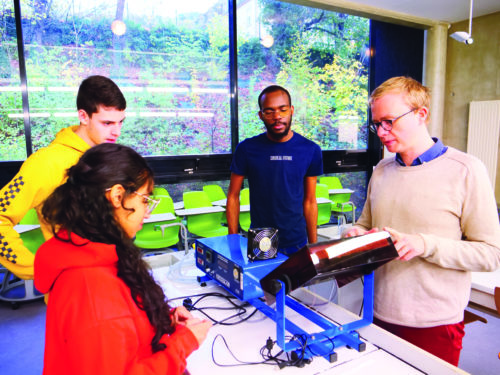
152,203
270,113
387,124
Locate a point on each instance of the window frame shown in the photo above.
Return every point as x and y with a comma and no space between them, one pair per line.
171,169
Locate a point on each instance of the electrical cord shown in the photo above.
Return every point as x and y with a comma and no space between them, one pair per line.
290,359
281,358
241,309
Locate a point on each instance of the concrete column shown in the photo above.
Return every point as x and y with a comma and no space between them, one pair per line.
436,40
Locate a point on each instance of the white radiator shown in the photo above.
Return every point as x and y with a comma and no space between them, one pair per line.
484,130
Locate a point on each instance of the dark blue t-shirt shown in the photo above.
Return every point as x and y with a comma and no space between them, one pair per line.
275,173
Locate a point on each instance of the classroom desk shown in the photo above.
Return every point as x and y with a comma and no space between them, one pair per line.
220,202
483,290
199,210
22,228
340,191
178,205
223,202
154,218
385,353
320,200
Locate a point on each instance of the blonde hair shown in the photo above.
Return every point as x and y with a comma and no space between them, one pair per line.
416,94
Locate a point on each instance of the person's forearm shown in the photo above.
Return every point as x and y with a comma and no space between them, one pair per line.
233,214
311,215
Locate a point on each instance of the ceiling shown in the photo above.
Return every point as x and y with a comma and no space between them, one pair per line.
450,11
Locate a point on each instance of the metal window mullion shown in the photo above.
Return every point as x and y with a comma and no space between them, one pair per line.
233,74
22,74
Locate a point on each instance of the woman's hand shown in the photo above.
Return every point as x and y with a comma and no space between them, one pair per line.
180,315
199,328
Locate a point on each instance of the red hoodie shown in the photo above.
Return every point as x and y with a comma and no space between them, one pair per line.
93,325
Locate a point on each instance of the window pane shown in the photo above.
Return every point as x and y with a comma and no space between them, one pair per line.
355,181
12,141
319,56
169,58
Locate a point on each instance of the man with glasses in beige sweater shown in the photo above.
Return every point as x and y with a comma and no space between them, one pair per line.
439,207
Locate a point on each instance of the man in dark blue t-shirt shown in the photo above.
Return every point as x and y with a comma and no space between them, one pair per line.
282,168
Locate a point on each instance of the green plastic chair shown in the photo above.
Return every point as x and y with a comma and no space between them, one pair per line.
12,288
324,209
341,203
32,239
203,225
244,218
161,234
160,191
214,192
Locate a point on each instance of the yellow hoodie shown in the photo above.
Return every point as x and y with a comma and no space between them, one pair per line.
39,175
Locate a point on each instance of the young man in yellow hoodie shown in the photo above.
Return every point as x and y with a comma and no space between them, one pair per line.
101,111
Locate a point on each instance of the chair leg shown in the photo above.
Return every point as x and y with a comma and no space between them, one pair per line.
351,204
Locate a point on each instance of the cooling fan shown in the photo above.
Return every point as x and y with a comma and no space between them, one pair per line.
262,243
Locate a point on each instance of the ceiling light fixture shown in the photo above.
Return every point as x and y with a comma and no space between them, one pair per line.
463,36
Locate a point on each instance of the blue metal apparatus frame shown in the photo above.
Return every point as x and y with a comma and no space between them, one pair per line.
321,343
308,345
289,336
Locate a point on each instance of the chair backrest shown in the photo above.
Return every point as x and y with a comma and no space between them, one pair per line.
324,209
245,196
166,205
214,192
161,191
334,183
203,225
322,191
32,239
31,217
331,181
150,237
244,218
196,199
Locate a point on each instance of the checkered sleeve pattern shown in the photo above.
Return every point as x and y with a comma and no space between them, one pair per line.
10,193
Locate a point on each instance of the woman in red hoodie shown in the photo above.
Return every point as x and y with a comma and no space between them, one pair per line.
106,314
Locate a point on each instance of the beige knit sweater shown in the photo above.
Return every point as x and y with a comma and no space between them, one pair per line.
450,203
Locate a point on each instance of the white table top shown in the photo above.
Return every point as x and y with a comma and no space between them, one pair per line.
246,338
486,281
21,228
220,202
178,205
483,288
223,202
322,200
153,218
199,210
340,191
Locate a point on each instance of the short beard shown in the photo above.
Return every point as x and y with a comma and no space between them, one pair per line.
280,136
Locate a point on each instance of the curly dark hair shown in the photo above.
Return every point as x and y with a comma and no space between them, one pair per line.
80,206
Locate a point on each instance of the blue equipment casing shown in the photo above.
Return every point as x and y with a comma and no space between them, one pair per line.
224,259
